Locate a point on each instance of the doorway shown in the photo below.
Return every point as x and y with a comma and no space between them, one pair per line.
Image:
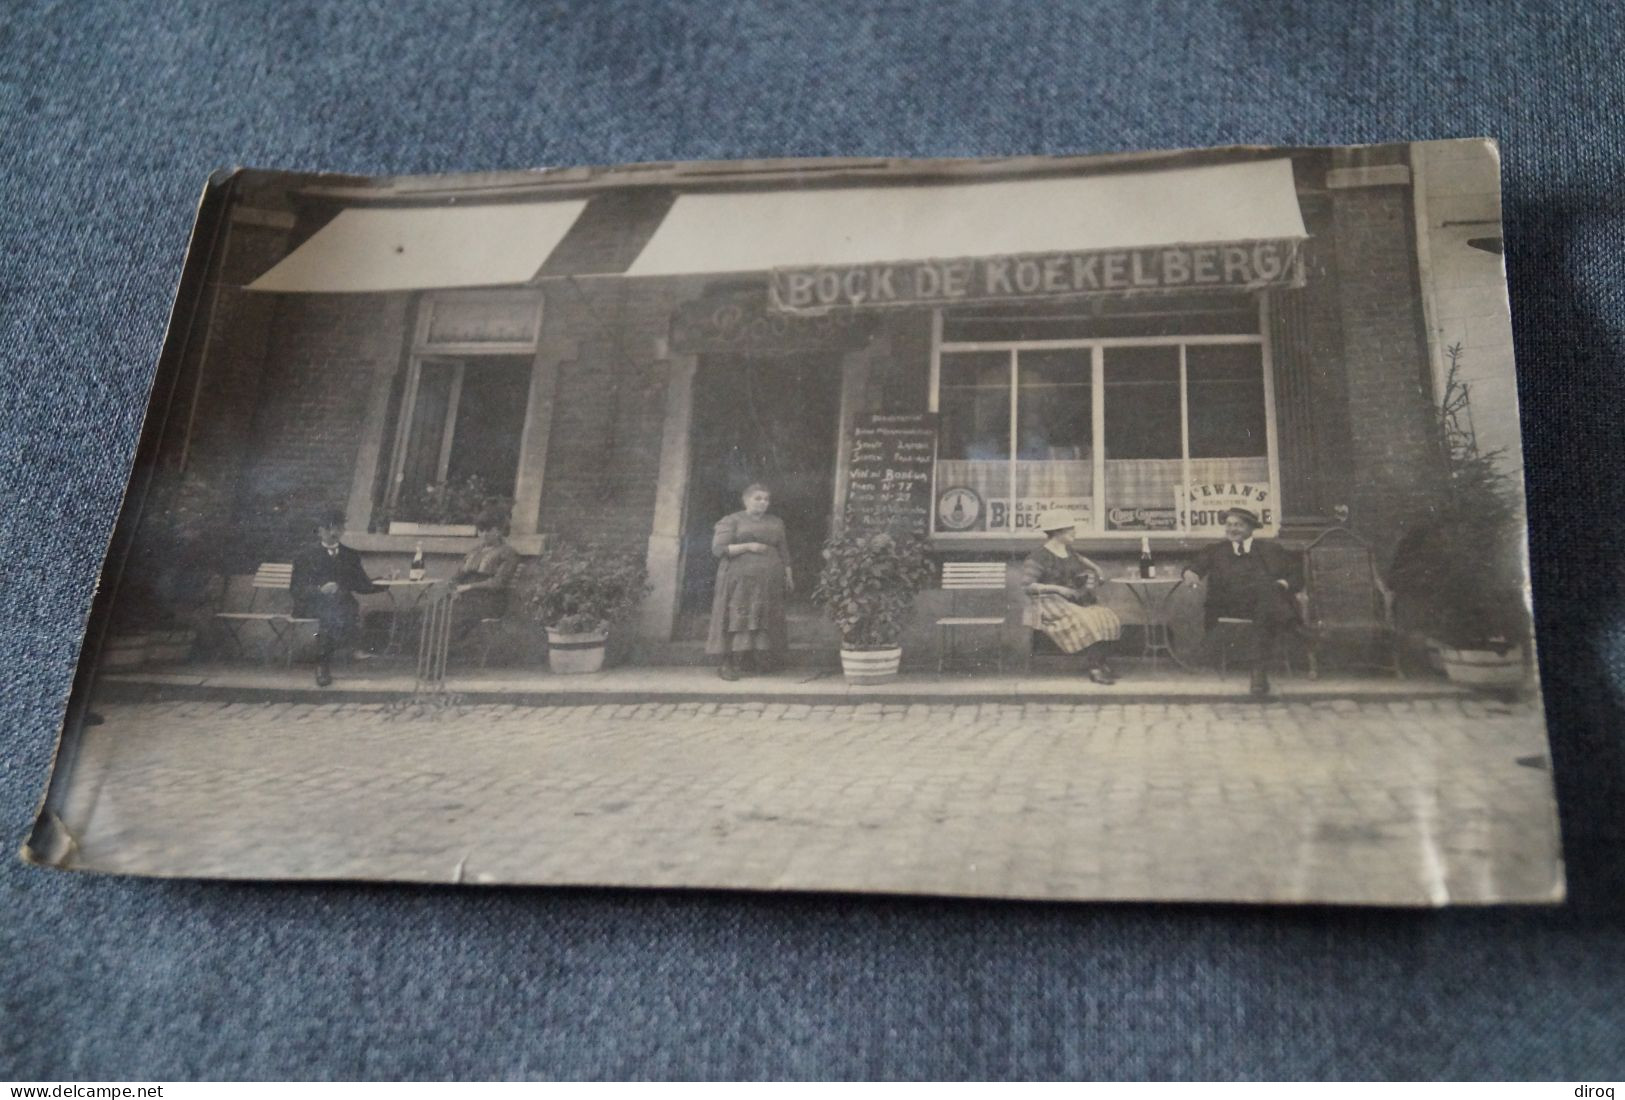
772,419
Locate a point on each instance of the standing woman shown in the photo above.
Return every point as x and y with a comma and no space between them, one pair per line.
753,582
1061,600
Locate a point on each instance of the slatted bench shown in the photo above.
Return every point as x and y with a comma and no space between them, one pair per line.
968,576
270,577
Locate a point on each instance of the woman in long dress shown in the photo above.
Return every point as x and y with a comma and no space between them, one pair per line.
487,572
753,583
1060,588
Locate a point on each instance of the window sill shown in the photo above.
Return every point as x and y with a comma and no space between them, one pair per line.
376,543
1126,544
433,530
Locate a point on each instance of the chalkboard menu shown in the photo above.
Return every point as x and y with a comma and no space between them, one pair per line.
888,485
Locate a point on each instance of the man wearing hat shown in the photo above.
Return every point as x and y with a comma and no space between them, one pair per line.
1060,587
327,576
1250,580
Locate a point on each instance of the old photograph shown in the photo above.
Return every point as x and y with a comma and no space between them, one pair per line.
1134,527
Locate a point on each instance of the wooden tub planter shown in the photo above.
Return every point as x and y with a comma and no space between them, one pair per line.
126,650
571,654
1498,669
171,647
871,666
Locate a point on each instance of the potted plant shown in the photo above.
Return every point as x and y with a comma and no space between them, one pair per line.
170,580
868,584
129,638
577,592
1459,571
446,508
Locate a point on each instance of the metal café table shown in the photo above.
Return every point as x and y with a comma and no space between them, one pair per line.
1152,595
398,608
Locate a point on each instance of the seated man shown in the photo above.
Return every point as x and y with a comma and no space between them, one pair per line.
1248,579
327,576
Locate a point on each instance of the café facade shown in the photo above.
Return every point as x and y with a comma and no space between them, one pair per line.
1143,340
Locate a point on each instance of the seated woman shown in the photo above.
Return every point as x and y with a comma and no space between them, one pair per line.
1061,600
487,572
748,629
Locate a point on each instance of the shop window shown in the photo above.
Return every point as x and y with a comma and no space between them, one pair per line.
1144,450
1016,434
1109,430
1054,437
973,443
461,452
462,408
1227,403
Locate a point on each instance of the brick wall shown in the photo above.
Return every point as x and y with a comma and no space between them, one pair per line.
1311,393
1385,365
901,381
324,355
609,406
218,384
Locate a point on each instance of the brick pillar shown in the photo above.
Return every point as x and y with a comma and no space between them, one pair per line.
1390,400
326,355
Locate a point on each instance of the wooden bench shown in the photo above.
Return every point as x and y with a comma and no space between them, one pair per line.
270,577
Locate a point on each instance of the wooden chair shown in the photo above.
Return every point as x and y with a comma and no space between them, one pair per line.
270,577
1345,598
969,576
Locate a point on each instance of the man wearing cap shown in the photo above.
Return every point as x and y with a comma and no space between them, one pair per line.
1251,580
327,576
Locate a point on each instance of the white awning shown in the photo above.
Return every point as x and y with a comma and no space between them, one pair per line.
375,249
756,231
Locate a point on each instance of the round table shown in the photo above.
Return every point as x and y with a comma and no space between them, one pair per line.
405,584
1152,594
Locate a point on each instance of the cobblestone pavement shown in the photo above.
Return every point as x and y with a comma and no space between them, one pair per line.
1410,802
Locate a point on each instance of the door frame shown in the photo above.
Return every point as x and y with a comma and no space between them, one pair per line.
667,557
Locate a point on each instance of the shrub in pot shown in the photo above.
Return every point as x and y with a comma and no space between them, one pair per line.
1459,571
171,580
441,507
577,592
868,585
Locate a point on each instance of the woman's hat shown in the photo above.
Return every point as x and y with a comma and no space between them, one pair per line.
1056,519
1250,518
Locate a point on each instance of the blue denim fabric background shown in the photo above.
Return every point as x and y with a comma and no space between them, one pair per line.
111,116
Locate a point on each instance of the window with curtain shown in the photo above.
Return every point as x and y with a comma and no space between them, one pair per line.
461,447
455,448
1018,435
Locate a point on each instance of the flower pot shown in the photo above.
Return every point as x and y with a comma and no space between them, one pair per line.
871,666
126,650
1491,669
574,653
170,646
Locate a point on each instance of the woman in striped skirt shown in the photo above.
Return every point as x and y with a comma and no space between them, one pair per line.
1061,598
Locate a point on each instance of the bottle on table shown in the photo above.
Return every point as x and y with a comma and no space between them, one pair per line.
416,572
1148,568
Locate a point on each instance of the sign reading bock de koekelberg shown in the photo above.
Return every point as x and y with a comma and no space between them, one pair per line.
1250,265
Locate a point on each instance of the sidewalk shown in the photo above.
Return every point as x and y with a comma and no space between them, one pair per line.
380,679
